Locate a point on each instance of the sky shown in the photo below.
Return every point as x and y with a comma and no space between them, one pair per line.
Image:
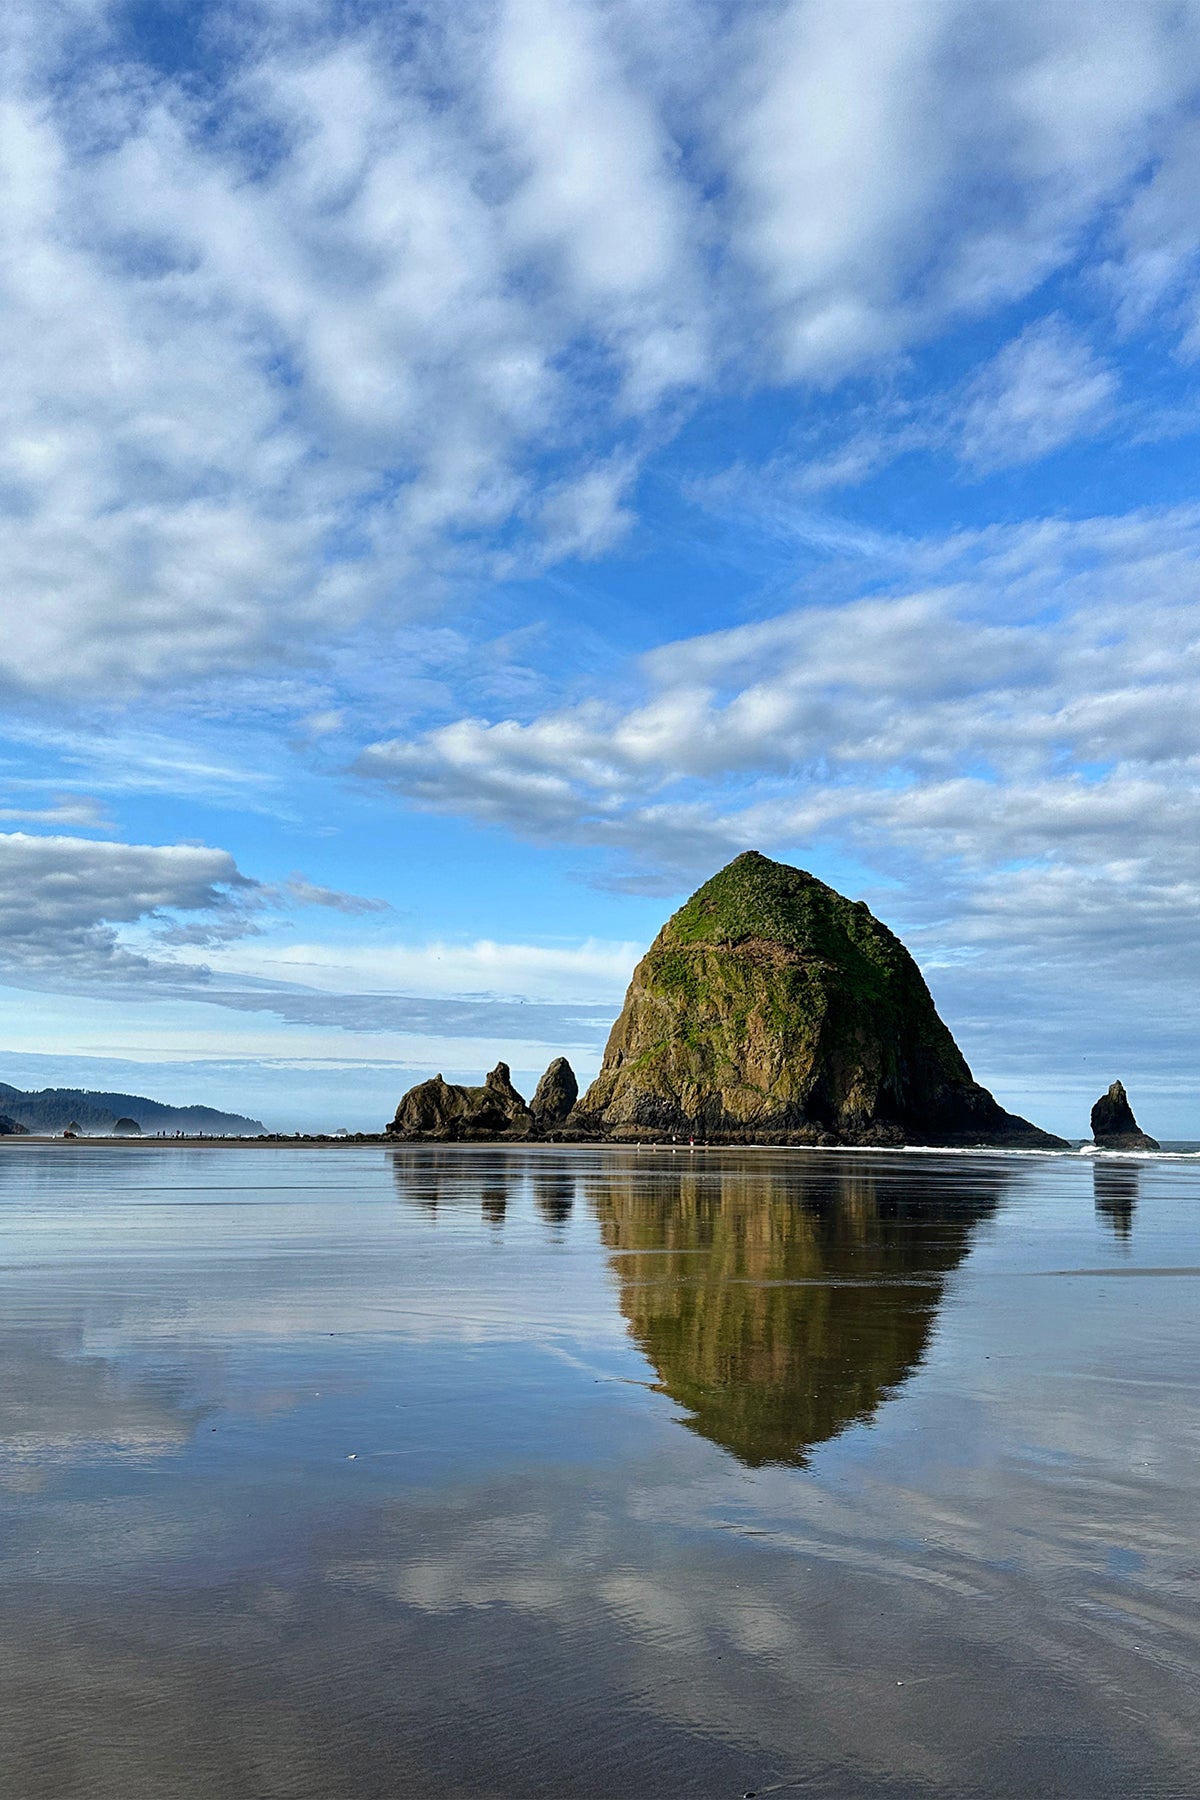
466,474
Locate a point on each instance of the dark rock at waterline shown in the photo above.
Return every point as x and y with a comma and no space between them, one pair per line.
10,1127
127,1128
771,1009
1114,1126
444,1111
555,1095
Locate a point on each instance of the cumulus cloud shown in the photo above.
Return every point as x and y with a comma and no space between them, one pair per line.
383,301
84,911
63,899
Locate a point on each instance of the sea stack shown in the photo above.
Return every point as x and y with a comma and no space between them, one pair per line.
772,1009
555,1096
443,1111
1114,1126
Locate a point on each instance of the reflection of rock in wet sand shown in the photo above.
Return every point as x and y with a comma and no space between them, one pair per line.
778,1308
495,1185
554,1192
1116,1190
433,1178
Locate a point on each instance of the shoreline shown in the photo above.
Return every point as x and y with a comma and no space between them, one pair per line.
1185,1149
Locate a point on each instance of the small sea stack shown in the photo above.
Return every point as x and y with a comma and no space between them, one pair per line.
11,1127
1114,1126
444,1111
127,1128
555,1096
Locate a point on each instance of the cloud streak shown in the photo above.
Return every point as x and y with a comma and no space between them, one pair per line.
1020,735
104,918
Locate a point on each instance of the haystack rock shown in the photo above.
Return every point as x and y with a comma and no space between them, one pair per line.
442,1110
127,1128
10,1127
771,1009
555,1095
1113,1124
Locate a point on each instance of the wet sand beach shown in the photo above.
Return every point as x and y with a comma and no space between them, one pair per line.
581,1472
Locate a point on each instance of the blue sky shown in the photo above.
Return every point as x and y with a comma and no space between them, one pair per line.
467,475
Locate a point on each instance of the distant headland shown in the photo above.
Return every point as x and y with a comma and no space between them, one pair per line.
87,1113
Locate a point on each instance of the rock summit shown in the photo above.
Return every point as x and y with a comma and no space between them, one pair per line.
1114,1126
555,1096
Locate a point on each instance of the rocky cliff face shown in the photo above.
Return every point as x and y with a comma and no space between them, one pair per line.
771,1008
1113,1124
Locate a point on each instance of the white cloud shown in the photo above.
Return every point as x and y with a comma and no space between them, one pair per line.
302,892
105,919
79,910
62,900
1036,707
1041,391
65,810
244,401
594,970
587,515
385,303
899,164
598,190
1158,240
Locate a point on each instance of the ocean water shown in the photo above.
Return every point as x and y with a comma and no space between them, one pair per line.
355,1472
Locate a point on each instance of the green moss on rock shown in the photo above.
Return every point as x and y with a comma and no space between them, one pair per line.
770,1007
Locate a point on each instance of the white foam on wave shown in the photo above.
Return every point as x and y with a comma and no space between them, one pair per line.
1072,1154
1153,1156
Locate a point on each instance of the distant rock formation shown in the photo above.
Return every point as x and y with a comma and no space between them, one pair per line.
127,1128
555,1095
771,1009
1114,1126
441,1110
10,1127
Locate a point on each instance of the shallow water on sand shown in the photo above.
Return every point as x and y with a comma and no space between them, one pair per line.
359,1473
